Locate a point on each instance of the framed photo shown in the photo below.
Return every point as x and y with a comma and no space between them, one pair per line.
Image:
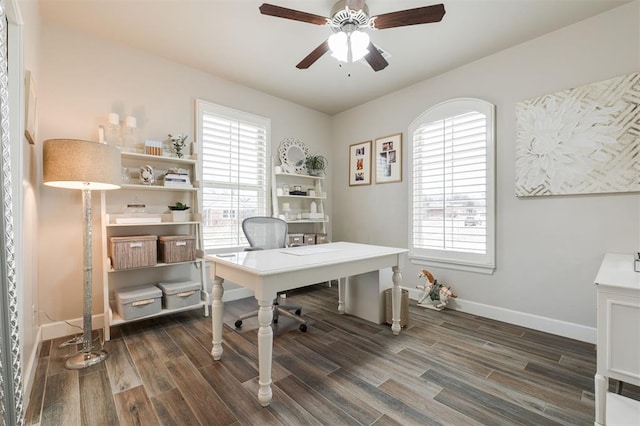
388,158
30,109
360,164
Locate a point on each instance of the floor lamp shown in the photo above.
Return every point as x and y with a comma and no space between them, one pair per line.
87,166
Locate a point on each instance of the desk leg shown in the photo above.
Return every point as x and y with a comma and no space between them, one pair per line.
217,307
600,399
342,282
396,296
265,349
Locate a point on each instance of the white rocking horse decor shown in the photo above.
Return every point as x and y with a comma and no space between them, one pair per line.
435,295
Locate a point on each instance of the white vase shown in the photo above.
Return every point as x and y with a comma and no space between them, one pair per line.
179,215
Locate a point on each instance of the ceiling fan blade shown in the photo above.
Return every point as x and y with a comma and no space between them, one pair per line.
296,15
403,18
375,58
312,57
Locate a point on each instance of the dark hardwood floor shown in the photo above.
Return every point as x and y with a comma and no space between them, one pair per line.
445,368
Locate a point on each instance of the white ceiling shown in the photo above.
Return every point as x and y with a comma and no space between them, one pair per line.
232,40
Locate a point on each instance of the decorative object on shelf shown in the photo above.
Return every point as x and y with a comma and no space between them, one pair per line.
360,164
177,178
285,189
125,175
388,157
136,206
146,175
293,155
286,209
87,166
179,212
153,147
580,141
437,294
316,165
178,142
297,190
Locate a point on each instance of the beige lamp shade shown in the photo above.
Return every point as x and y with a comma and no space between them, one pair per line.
78,164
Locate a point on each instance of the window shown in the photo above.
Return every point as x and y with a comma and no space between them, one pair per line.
452,179
234,151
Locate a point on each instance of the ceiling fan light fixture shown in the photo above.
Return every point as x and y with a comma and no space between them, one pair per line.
349,47
338,44
359,45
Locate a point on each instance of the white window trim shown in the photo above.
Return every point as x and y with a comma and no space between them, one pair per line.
203,106
457,260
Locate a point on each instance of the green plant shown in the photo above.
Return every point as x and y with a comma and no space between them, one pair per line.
179,143
316,164
179,206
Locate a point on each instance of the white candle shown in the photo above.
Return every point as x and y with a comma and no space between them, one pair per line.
131,122
101,134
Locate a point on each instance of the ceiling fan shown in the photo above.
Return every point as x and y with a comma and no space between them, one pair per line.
347,20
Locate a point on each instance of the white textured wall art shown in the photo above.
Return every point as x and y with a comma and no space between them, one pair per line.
579,141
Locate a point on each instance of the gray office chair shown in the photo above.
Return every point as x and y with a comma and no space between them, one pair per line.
264,233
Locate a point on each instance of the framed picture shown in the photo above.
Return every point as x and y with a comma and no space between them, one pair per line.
30,108
388,158
360,164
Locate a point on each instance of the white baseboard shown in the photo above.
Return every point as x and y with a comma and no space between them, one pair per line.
535,322
29,372
53,330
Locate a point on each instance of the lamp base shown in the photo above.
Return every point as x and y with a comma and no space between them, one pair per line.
85,359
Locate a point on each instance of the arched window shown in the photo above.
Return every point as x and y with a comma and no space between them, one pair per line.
452,186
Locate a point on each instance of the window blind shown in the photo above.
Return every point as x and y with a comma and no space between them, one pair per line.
449,184
452,186
234,174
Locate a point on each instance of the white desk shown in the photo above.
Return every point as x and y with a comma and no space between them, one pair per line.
267,272
618,356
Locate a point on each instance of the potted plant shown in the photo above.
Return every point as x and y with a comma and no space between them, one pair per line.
316,164
179,212
179,143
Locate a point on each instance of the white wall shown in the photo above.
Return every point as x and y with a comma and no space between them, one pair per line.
26,217
84,78
548,249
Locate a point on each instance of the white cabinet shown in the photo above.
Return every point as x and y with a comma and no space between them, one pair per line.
618,350
122,217
299,199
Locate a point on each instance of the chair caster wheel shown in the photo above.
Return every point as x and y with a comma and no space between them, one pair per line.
298,312
238,323
303,327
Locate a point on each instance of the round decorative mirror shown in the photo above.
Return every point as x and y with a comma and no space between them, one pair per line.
293,153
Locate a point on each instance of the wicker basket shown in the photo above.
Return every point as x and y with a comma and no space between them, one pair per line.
176,248
133,252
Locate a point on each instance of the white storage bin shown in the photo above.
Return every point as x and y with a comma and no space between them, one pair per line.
180,294
138,302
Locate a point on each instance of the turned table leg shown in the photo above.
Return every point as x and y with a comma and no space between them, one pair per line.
396,297
265,350
217,308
